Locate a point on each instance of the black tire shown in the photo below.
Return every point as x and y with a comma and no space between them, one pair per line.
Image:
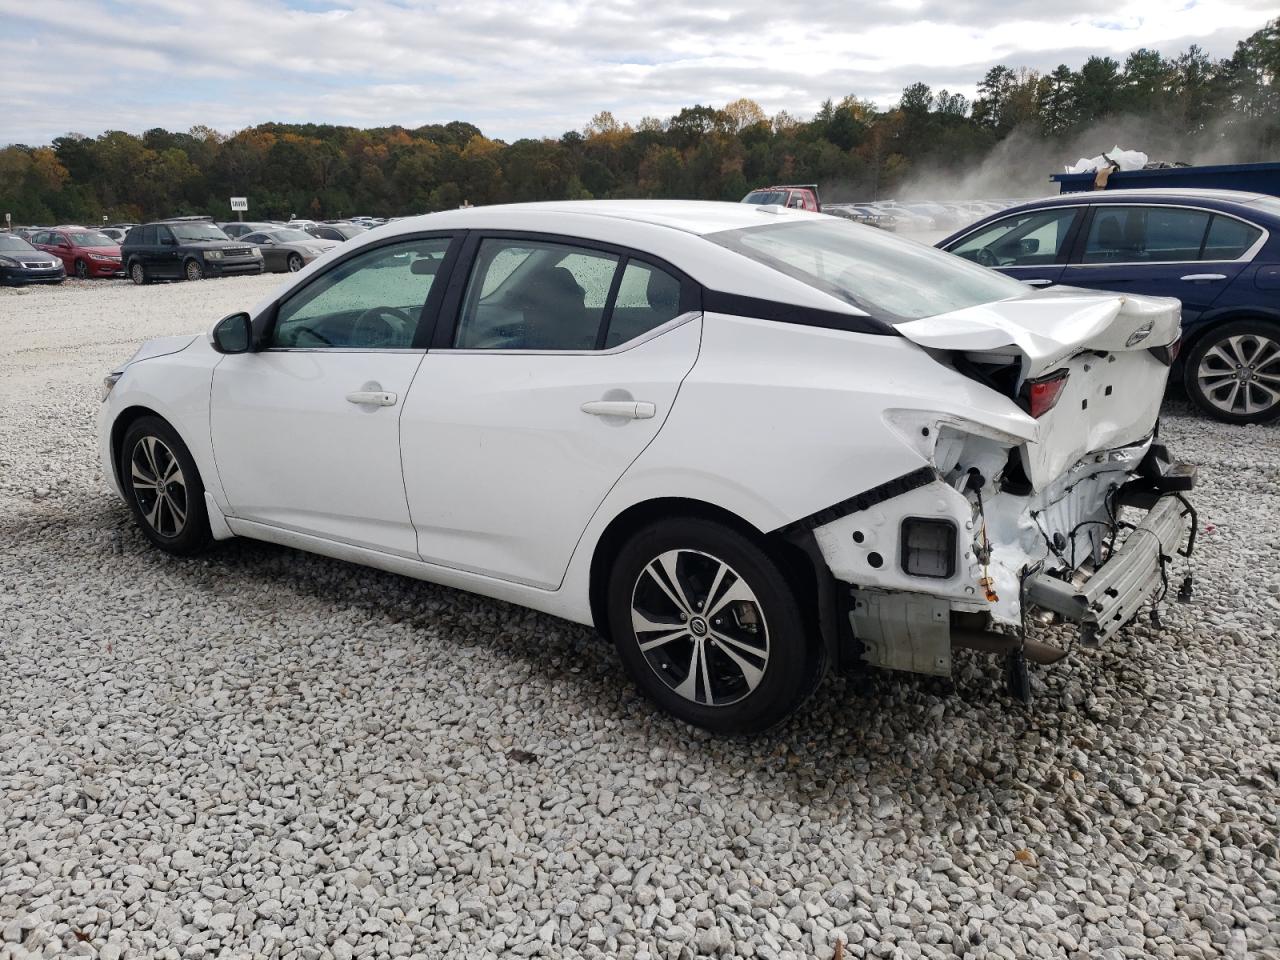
295,263
82,270
1233,372
770,623
154,446
138,273
192,270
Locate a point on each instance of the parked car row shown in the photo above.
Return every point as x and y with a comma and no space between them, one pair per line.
920,216
178,248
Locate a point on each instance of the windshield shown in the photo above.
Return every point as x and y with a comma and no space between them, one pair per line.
15,245
92,239
767,196
291,236
197,231
886,276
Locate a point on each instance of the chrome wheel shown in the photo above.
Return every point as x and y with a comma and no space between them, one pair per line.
159,486
1240,375
700,627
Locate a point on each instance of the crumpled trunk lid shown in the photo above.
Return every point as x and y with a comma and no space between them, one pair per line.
1103,342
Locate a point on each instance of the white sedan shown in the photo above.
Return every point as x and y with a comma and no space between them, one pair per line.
748,444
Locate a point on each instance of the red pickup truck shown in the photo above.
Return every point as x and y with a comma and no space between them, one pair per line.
797,196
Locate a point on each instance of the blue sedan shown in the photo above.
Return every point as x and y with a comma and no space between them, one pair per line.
1218,251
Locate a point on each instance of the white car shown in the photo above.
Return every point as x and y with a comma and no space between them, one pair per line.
748,444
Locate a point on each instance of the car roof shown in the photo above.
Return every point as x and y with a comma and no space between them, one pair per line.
1171,195
697,217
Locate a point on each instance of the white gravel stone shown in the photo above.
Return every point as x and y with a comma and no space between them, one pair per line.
264,753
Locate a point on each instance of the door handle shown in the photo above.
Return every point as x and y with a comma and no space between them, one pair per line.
1038,282
631,409
373,398
1204,277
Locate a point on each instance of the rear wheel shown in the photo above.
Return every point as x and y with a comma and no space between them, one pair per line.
137,272
708,627
1233,372
163,487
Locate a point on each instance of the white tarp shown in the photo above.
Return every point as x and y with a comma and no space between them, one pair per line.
1124,159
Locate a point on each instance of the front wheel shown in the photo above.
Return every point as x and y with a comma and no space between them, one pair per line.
163,487
1233,372
82,270
708,627
193,270
295,263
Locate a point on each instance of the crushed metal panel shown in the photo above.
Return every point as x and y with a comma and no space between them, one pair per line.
903,631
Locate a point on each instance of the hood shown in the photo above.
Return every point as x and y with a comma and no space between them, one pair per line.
160,347
1050,326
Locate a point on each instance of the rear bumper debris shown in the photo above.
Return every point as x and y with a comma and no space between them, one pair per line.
1131,576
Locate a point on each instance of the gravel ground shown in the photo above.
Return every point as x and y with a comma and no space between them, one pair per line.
261,753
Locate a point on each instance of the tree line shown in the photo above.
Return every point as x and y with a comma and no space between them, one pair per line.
851,148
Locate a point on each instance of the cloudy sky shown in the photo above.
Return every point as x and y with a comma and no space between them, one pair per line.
536,67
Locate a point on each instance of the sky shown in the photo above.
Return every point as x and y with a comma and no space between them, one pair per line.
533,68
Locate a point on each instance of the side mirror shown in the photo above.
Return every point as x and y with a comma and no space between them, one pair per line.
425,266
233,334
1028,246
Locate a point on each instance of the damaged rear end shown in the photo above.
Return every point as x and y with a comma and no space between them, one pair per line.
1070,512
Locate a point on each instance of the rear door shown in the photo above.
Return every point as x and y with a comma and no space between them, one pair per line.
1031,246
1158,250
561,367
165,255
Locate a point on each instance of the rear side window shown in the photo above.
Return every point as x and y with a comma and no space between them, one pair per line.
1024,240
1229,238
647,298
1145,235
530,295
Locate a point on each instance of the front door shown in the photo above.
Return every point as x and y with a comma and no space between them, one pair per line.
562,368
306,431
1162,251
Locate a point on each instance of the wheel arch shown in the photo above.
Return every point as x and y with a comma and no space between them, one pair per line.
1206,325
801,565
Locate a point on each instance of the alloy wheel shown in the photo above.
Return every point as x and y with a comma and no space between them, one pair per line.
82,269
159,486
295,263
137,273
193,270
1241,374
700,626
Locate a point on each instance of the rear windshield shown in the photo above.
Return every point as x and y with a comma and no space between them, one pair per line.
15,245
197,231
92,239
890,278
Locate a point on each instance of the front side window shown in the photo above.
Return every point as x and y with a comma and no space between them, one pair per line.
373,301
1029,239
887,277
1145,235
531,295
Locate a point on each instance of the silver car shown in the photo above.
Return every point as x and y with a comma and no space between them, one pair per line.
287,250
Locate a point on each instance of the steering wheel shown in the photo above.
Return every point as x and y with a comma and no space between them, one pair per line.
381,327
986,258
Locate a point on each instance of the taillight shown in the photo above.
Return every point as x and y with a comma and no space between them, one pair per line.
1039,396
1167,354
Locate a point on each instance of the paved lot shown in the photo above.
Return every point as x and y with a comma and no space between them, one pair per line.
260,753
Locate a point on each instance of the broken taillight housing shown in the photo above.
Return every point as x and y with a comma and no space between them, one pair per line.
1040,395
1167,354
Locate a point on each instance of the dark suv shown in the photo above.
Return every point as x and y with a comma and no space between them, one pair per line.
185,249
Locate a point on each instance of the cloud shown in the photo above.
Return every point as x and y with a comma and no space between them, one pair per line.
534,67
